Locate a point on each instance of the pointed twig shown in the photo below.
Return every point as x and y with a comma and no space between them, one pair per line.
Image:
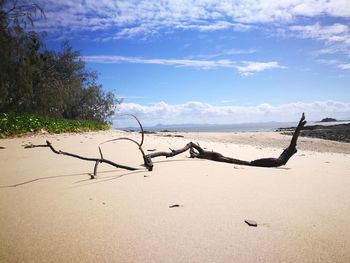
99,149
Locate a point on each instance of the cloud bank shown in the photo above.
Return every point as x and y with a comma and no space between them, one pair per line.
204,113
134,17
143,19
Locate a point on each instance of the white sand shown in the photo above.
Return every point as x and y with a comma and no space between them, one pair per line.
56,214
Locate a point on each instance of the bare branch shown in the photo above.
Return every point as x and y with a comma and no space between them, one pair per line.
138,121
96,160
196,151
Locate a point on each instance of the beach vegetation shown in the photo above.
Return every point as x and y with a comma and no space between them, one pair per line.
14,124
35,80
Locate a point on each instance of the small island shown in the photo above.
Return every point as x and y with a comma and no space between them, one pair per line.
328,120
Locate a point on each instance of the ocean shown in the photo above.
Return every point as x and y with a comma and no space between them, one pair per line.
242,127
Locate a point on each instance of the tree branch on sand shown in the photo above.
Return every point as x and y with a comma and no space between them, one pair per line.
195,152
96,160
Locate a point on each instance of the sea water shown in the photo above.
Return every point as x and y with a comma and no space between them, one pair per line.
241,127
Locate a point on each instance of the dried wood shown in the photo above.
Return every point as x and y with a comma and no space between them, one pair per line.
196,151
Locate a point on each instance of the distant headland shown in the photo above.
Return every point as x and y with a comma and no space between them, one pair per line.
328,120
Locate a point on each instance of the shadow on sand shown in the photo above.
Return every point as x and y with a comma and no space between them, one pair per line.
100,179
70,175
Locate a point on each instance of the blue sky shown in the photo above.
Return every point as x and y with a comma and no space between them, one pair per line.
212,61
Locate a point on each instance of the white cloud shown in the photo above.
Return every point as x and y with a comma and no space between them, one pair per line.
219,25
344,66
335,36
332,49
202,64
331,33
261,11
143,19
227,52
234,51
128,18
204,113
250,67
245,68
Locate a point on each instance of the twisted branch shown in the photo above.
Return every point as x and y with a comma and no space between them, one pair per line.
195,152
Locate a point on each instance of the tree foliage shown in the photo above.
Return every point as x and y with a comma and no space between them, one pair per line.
36,80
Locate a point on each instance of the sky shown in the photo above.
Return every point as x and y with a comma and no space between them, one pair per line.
212,61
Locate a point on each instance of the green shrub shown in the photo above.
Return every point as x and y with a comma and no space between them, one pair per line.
12,124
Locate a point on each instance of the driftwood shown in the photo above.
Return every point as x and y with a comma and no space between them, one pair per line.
195,152
97,161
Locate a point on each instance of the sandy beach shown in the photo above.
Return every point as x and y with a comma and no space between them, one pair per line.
185,210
